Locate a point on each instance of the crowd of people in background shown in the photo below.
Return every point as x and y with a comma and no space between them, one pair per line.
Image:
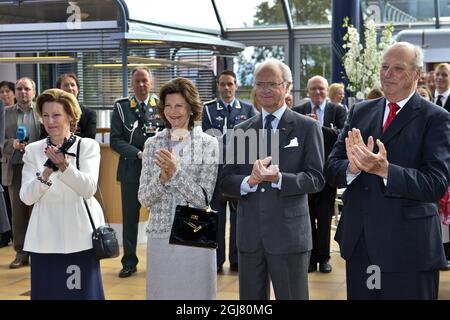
279,204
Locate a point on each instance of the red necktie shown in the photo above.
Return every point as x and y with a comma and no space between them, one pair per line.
393,108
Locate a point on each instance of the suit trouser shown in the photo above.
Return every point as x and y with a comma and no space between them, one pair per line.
321,209
288,273
130,220
20,212
220,204
421,285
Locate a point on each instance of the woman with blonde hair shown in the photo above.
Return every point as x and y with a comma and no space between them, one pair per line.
59,173
336,93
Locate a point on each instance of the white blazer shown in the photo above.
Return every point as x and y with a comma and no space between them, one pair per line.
59,221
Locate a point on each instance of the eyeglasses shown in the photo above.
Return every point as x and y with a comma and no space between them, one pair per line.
23,88
270,85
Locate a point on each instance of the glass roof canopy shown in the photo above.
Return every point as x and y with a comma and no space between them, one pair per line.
217,17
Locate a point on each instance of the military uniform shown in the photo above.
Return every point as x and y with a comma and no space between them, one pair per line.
131,125
218,116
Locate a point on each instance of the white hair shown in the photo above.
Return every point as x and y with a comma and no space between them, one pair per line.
418,53
271,62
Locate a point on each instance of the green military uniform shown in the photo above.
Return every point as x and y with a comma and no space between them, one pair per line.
132,123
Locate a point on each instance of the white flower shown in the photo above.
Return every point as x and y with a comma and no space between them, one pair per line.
362,63
360,95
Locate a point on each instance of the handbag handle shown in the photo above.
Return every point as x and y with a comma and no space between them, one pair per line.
206,196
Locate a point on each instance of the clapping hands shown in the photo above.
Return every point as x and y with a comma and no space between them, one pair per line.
167,162
263,172
361,156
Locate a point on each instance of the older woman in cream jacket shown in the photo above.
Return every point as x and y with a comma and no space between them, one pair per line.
58,237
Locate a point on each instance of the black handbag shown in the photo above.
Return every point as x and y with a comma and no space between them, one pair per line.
104,239
195,227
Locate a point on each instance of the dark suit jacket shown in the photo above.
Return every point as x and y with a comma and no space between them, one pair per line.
333,114
278,218
447,104
400,221
87,126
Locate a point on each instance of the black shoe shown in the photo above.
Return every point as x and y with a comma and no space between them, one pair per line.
312,267
19,262
447,268
127,271
325,267
219,268
234,267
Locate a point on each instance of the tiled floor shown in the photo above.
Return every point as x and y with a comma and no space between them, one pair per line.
14,283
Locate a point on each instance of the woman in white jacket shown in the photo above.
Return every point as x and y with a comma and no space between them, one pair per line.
58,237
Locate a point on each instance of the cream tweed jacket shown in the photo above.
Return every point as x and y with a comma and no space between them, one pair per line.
196,168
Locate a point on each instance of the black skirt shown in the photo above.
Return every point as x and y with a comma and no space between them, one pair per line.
73,276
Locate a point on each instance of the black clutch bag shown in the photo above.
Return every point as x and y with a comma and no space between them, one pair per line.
195,227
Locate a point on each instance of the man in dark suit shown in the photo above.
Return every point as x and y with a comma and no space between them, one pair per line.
87,126
273,226
218,116
442,79
395,165
133,121
321,204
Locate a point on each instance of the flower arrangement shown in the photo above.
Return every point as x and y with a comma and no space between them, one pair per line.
362,63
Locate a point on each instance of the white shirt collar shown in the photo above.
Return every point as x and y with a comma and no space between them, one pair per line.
445,94
278,114
145,101
401,103
228,104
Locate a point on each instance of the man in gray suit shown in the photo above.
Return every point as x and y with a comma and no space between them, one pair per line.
21,113
273,225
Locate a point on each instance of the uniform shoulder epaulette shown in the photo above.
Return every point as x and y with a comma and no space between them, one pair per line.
210,101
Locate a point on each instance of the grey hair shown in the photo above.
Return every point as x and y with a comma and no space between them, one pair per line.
418,53
33,84
144,68
318,78
286,72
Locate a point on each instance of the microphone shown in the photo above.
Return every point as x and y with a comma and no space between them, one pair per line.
21,134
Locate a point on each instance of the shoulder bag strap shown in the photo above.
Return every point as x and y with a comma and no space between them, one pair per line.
84,200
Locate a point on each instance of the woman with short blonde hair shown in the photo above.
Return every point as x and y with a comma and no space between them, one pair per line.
59,177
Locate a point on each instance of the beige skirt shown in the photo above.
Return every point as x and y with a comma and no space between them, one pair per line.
177,272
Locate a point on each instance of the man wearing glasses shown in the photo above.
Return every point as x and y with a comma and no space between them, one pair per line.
273,226
21,114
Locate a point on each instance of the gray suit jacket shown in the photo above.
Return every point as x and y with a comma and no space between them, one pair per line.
11,119
278,218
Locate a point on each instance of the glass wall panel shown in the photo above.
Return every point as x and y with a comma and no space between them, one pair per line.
245,63
403,11
57,11
251,13
311,12
198,14
315,59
